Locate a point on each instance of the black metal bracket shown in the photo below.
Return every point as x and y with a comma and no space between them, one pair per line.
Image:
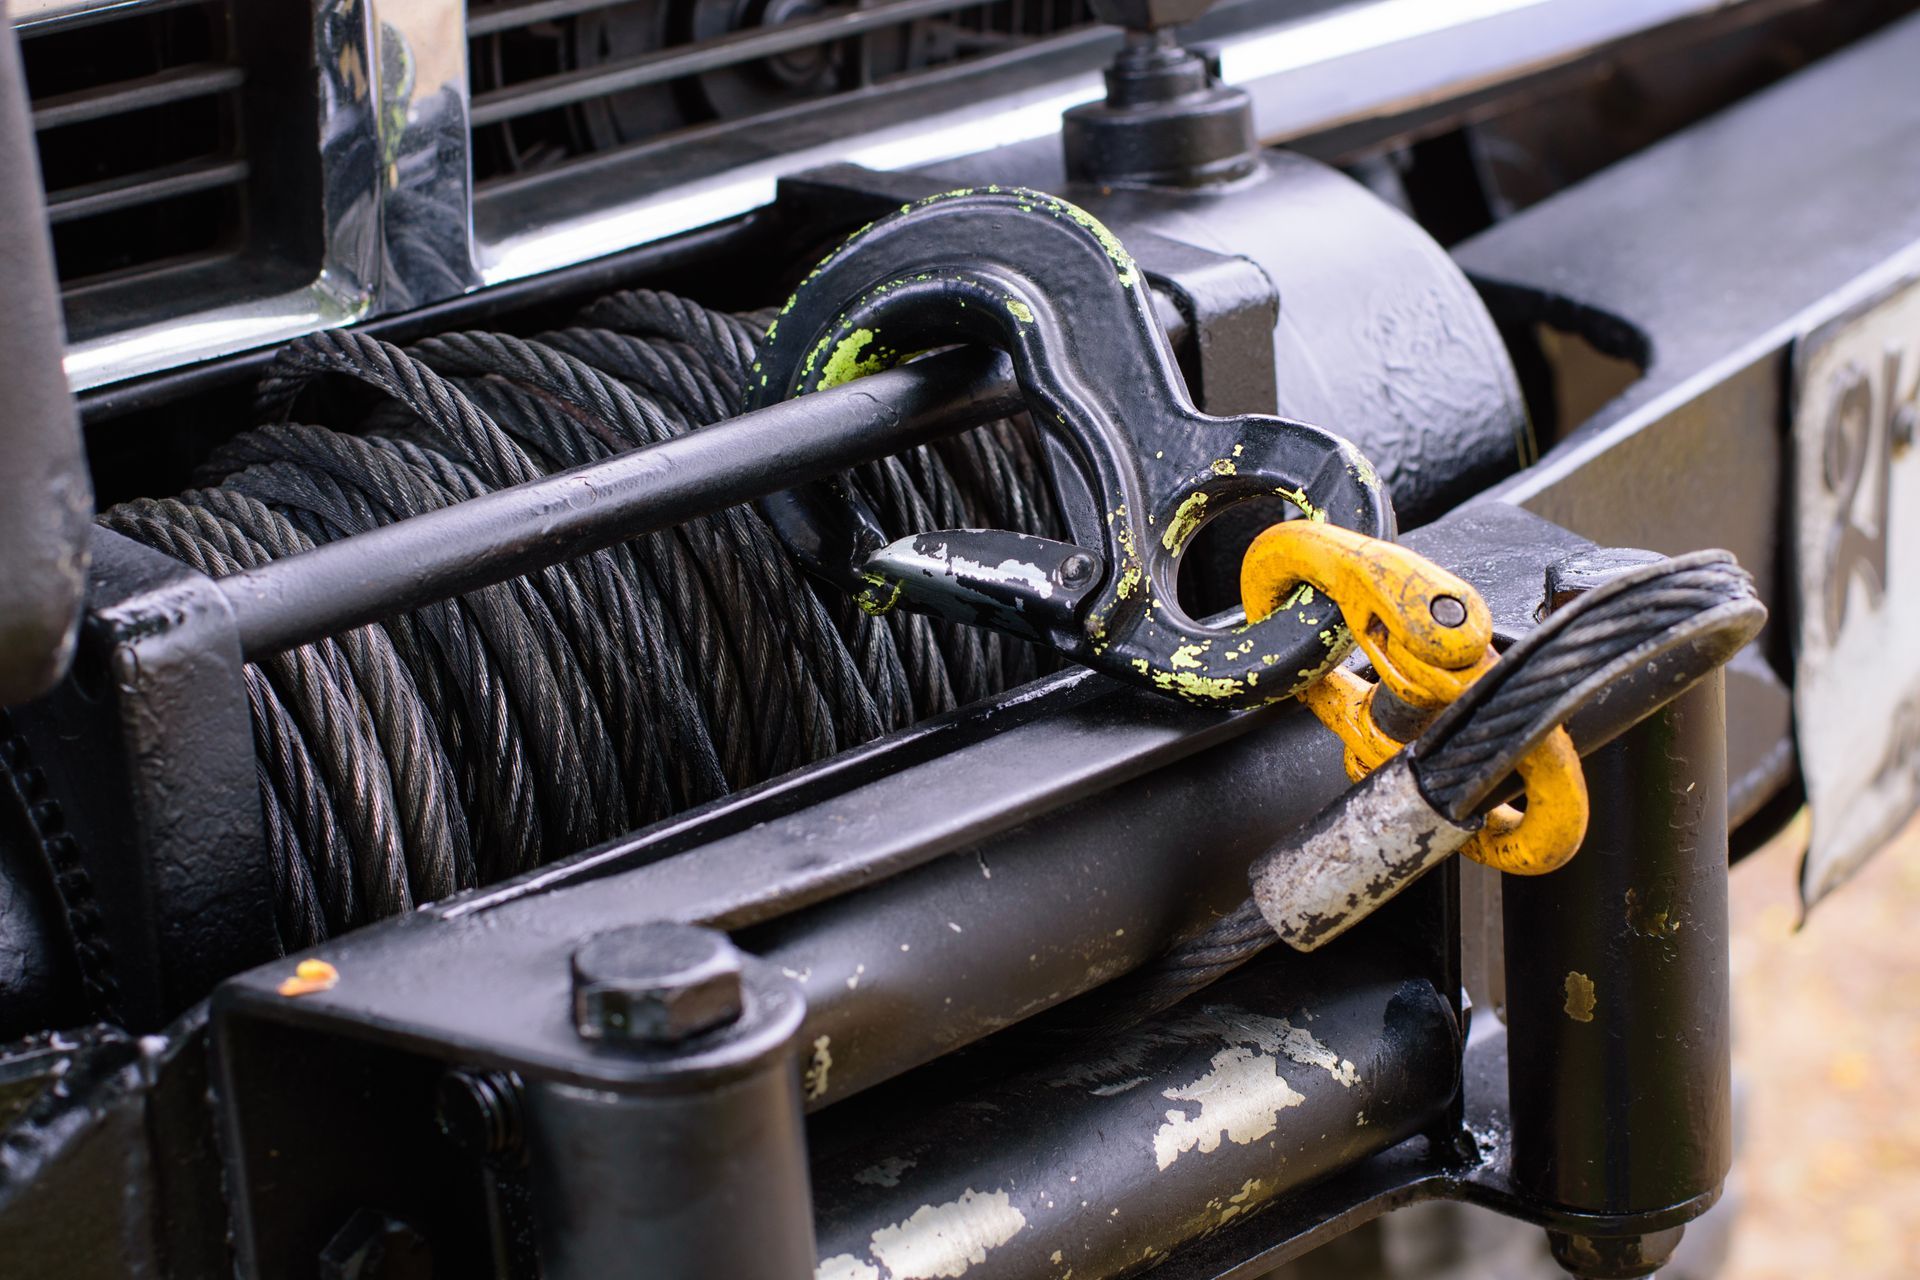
1226,309
154,713
1044,281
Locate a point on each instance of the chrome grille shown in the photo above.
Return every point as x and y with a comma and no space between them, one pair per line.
142,150
557,79
320,166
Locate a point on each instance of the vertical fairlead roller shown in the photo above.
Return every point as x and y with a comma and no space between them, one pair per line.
1618,1028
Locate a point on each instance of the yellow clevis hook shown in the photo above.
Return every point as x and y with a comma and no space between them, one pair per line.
1428,635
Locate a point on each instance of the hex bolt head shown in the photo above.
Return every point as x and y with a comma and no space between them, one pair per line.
657,983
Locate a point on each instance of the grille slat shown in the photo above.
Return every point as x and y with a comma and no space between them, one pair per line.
498,18
731,50
175,84
556,81
138,113
149,187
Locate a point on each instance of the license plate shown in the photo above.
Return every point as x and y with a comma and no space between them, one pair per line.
1856,397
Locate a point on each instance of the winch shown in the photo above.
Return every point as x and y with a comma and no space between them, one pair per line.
717,643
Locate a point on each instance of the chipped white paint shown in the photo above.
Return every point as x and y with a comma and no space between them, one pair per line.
1299,1044
1123,1086
940,1242
844,1266
1008,571
884,1174
1279,1036
1129,1058
956,928
1241,1097
1237,1203
818,1067
853,982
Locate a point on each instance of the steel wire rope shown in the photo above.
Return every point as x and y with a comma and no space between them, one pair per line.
476,738
1569,662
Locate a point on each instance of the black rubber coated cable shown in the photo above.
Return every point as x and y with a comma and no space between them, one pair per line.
476,738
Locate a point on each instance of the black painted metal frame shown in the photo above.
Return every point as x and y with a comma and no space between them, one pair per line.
915,930
948,912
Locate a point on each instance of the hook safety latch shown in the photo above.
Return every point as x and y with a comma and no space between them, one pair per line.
1429,636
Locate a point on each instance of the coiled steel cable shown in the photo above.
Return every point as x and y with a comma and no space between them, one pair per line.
478,737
